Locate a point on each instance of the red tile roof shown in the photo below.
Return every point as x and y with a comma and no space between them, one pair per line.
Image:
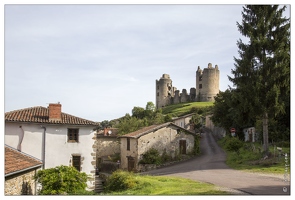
16,161
146,130
40,114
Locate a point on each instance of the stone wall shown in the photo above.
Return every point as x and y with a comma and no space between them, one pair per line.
21,184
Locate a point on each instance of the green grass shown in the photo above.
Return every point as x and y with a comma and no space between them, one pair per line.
252,160
184,108
164,185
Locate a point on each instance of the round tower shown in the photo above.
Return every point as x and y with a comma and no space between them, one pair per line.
164,91
207,83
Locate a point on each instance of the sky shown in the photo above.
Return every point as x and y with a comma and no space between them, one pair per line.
100,61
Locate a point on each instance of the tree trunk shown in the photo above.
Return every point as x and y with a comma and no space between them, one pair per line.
265,132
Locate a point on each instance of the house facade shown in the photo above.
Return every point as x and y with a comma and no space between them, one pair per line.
184,121
20,169
168,138
107,149
54,137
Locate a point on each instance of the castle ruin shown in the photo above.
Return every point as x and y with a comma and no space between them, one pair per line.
207,87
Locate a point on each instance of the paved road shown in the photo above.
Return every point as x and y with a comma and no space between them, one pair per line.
210,167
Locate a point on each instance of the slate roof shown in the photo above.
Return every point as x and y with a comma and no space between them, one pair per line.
16,161
152,128
40,114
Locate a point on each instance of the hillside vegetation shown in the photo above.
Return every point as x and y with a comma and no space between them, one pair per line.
186,108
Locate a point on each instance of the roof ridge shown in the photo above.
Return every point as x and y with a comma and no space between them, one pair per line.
40,114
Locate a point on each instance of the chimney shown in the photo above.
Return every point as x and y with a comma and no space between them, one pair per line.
54,111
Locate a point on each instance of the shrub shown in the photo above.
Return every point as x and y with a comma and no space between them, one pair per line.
61,180
233,144
152,156
120,180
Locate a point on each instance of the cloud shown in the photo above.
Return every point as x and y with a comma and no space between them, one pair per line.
100,61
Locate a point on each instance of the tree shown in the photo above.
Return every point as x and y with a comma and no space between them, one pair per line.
262,73
138,112
61,180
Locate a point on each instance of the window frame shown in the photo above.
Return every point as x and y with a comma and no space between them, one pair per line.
78,167
128,144
73,138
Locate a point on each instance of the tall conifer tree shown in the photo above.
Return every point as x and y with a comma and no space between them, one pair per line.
262,73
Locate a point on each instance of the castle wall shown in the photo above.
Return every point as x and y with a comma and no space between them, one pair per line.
176,98
207,83
184,96
207,87
164,91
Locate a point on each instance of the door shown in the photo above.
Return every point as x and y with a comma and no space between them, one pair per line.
131,164
182,146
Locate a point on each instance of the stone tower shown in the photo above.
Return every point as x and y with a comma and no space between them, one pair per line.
207,83
164,91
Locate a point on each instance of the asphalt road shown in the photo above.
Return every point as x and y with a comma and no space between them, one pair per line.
210,167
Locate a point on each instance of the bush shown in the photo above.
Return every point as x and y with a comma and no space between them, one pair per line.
120,180
233,144
152,156
61,180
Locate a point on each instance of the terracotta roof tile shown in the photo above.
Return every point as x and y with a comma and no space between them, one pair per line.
40,114
17,161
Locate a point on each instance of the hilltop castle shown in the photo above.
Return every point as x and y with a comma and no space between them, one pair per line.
207,86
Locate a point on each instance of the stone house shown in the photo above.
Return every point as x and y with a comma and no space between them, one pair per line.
168,138
54,137
107,147
184,121
20,169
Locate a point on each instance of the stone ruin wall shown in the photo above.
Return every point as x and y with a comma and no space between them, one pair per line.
207,86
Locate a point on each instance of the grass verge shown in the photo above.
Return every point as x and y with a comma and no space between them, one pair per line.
162,185
250,158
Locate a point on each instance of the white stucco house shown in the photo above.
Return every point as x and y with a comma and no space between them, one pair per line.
54,137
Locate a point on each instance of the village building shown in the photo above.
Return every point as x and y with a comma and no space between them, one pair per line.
20,169
107,147
165,138
54,137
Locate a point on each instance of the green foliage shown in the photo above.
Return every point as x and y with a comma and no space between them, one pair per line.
180,109
251,157
120,180
61,180
196,150
262,73
152,156
161,185
130,124
233,144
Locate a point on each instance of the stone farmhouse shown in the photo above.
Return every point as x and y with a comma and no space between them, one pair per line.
207,86
166,138
20,169
54,137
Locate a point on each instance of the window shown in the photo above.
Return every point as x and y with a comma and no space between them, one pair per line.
73,135
200,78
77,162
157,93
128,144
200,86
